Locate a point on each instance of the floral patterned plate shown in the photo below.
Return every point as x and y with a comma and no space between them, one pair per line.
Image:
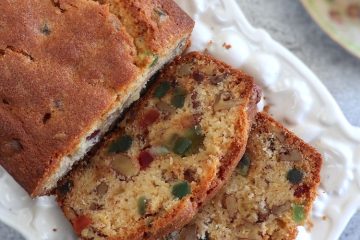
340,19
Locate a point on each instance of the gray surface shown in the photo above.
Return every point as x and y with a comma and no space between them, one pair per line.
288,23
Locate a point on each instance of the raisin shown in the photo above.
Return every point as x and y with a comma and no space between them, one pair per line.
65,187
198,76
93,135
45,29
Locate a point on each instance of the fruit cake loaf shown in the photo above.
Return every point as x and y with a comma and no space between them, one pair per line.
175,146
269,194
67,69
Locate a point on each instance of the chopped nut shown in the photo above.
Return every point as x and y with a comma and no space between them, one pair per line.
290,156
11,147
60,136
123,165
278,210
183,70
165,108
188,233
102,189
230,204
215,80
223,102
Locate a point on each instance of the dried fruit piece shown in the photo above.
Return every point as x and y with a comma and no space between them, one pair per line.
45,29
197,139
102,189
302,190
145,159
149,117
93,135
142,205
295,176
198,76
298,213
122,144
162,89
244,165
181,189
66,187
123,165
155,60
182,144
178,98
80,223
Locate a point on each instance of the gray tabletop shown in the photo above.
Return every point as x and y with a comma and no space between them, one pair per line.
288,23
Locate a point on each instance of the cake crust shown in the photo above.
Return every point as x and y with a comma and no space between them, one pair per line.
64,66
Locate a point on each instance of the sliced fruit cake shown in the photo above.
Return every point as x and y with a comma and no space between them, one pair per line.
270,193
173,149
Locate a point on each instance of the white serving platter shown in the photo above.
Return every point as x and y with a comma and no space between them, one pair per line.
297,98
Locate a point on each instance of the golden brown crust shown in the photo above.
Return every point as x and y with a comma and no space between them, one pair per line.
60,72
214,175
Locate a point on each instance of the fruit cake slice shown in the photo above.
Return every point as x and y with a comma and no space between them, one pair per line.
173,148
269,194
67,69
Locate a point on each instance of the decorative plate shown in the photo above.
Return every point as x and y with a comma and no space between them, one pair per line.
297,98
340,19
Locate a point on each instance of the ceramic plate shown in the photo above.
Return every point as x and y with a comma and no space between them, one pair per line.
297,98
340,19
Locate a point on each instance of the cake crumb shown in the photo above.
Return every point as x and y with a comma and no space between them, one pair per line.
227,46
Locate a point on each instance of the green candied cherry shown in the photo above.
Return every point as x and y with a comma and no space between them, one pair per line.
295,176
178,99
182,144
244,165
121,144
142,204
197,139
181,189
162,89
298,213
